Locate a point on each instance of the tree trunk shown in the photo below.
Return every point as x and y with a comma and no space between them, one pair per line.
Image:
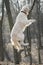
1,44
39,33
7,4
1,40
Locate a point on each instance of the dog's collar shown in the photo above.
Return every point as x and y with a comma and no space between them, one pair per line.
24,12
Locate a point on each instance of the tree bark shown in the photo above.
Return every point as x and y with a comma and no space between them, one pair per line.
1,40
7,4
39,33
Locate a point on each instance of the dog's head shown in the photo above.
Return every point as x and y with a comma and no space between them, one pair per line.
25,9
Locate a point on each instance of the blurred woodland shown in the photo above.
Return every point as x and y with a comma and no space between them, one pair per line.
9,10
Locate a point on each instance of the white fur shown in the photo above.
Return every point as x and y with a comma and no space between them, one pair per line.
17,31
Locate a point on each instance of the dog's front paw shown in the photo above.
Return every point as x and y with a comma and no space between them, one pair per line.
33,20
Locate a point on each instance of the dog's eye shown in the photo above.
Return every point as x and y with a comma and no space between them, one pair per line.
19,41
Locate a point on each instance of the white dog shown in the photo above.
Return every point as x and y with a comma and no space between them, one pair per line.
17,35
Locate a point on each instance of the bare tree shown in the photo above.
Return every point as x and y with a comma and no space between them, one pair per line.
7,4
1,41
2,49
39,33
